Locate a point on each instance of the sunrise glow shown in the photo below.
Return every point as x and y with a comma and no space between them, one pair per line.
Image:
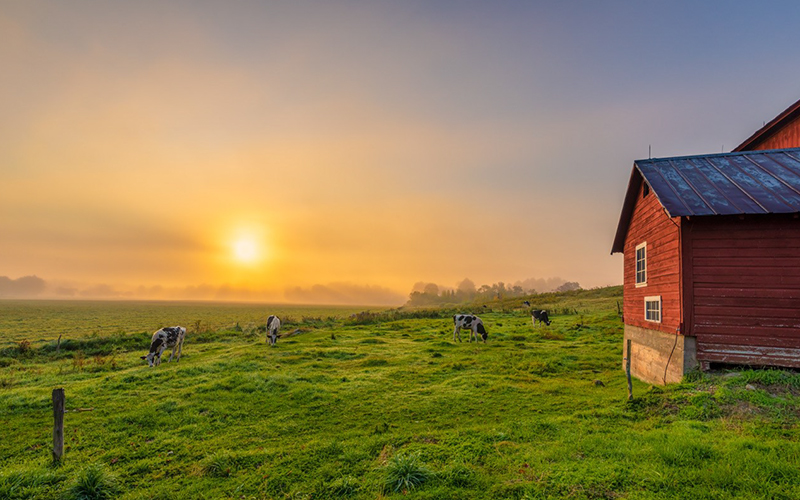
245,251
341,152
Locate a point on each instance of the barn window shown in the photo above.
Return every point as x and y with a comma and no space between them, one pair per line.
652,309
641,264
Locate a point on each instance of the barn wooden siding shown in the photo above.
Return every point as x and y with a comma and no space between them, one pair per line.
650,223
781,132
742,289
788,136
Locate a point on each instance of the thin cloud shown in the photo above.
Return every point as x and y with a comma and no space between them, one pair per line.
26,286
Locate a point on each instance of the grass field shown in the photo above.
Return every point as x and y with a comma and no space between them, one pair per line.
43,321
386,405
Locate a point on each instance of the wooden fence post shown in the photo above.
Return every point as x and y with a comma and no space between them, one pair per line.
58,424
628,370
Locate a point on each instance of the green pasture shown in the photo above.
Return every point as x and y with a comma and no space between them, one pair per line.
385,405
42,321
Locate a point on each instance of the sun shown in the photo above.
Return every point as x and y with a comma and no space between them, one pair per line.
245,250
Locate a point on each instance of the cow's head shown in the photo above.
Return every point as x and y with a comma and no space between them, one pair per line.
482,331
150,357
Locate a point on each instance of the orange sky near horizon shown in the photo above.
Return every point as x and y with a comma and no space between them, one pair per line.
154,148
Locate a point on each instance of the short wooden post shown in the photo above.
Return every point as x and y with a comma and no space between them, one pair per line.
58,344
628,370
58,424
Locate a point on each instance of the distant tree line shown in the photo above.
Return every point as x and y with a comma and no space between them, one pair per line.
431,294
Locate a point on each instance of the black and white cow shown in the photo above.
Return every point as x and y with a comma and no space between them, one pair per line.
170,336
470,322
273,326
541,316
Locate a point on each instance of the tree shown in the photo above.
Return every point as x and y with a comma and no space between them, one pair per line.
467,287
431,289
569,286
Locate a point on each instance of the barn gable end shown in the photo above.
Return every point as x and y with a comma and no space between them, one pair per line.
657,349
782,132
650,225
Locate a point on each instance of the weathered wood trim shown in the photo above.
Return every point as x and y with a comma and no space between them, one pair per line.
749,355
687,281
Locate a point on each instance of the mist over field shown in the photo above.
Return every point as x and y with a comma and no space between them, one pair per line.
339,293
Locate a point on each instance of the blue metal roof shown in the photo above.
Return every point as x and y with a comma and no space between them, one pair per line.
751,182
748,182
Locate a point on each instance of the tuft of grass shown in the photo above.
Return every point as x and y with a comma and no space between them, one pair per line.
771,377
219,464
344,486
24,346
35,483
406,473
459,476
374,361
94,482
695,376
547,334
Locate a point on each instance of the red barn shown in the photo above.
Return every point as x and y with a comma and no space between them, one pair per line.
711,250
782,132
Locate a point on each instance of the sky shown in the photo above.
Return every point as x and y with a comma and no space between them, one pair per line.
341,151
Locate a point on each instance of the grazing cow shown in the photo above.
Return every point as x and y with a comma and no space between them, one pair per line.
472,323
273,325
527,304
170,336
538,314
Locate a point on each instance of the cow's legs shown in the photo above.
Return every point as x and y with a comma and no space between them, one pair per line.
172,354
180,349
457,331
160,352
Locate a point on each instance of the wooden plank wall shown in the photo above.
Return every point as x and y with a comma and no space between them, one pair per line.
787,136
745,280
651,223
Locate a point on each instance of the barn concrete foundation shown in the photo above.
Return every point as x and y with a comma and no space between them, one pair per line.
654,354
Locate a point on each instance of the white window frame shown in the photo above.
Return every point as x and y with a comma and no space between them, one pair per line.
636,265
653,299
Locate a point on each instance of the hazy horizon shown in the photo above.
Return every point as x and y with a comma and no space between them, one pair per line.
344,294
347,150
